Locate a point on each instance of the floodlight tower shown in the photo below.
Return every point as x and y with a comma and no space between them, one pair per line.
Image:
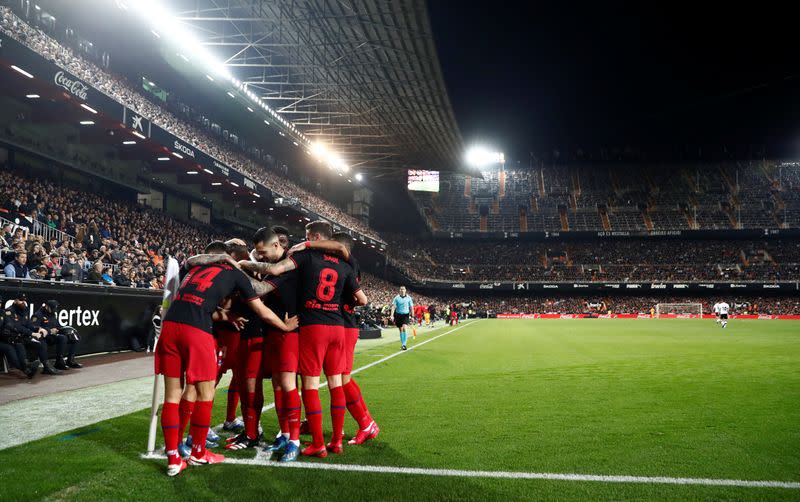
480,156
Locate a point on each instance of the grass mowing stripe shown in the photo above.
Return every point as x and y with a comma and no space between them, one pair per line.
261,459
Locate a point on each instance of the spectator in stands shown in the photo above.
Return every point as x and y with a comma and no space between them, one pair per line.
107,279
18,268
36,255
5,237
95,275
72,270
51,245
122,277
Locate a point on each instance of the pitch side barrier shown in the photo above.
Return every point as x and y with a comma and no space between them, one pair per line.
644,316
15,53
106,317
611,287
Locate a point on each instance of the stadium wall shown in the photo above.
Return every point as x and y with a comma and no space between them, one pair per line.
106,317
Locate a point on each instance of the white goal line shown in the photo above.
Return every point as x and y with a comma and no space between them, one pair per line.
262,459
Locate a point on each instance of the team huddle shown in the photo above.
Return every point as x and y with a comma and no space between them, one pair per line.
304,326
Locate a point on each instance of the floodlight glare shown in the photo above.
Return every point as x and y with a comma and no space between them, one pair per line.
319,150
479,156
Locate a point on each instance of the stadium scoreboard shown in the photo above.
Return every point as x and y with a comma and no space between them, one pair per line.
423,181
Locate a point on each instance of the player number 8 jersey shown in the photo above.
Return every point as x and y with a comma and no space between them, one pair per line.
323,278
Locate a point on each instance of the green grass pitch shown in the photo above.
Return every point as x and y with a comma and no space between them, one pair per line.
673,398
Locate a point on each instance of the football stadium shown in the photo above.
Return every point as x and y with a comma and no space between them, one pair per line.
398,250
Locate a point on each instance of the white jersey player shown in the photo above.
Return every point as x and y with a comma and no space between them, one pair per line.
723,313
716,312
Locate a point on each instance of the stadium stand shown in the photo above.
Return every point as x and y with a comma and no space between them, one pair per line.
617,260
743,195
254,164
129,240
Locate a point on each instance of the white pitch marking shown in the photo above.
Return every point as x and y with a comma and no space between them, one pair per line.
218,427
262,459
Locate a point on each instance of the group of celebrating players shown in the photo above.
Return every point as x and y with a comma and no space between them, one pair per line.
305,325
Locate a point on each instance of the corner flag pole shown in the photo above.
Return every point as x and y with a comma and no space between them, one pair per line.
171,284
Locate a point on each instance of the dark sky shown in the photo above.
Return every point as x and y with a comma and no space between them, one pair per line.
534,76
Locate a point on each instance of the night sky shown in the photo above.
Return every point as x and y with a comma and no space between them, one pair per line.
537,76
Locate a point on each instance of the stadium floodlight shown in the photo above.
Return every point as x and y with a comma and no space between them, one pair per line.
163,159
87,122
479,156
176,154
129,142
249,109
209,77
164,25
319,150
234,184
191,172
88,108
359,177
138,134
32,96
231,94
216,184
208,171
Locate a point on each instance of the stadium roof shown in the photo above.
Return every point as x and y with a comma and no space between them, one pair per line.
360,76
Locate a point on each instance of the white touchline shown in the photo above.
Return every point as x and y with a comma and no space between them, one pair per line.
262,459
370,365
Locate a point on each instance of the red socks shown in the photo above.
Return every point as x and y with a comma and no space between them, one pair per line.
291,407
280,409
314,416
257,405
337,414
185,411
201,421
249,414
355,405
169,427
233,403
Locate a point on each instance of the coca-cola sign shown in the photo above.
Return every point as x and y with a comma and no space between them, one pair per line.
76,87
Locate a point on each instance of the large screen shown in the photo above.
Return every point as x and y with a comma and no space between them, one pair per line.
423,181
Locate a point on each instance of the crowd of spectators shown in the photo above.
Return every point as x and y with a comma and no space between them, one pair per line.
605,260
94,239
120,90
